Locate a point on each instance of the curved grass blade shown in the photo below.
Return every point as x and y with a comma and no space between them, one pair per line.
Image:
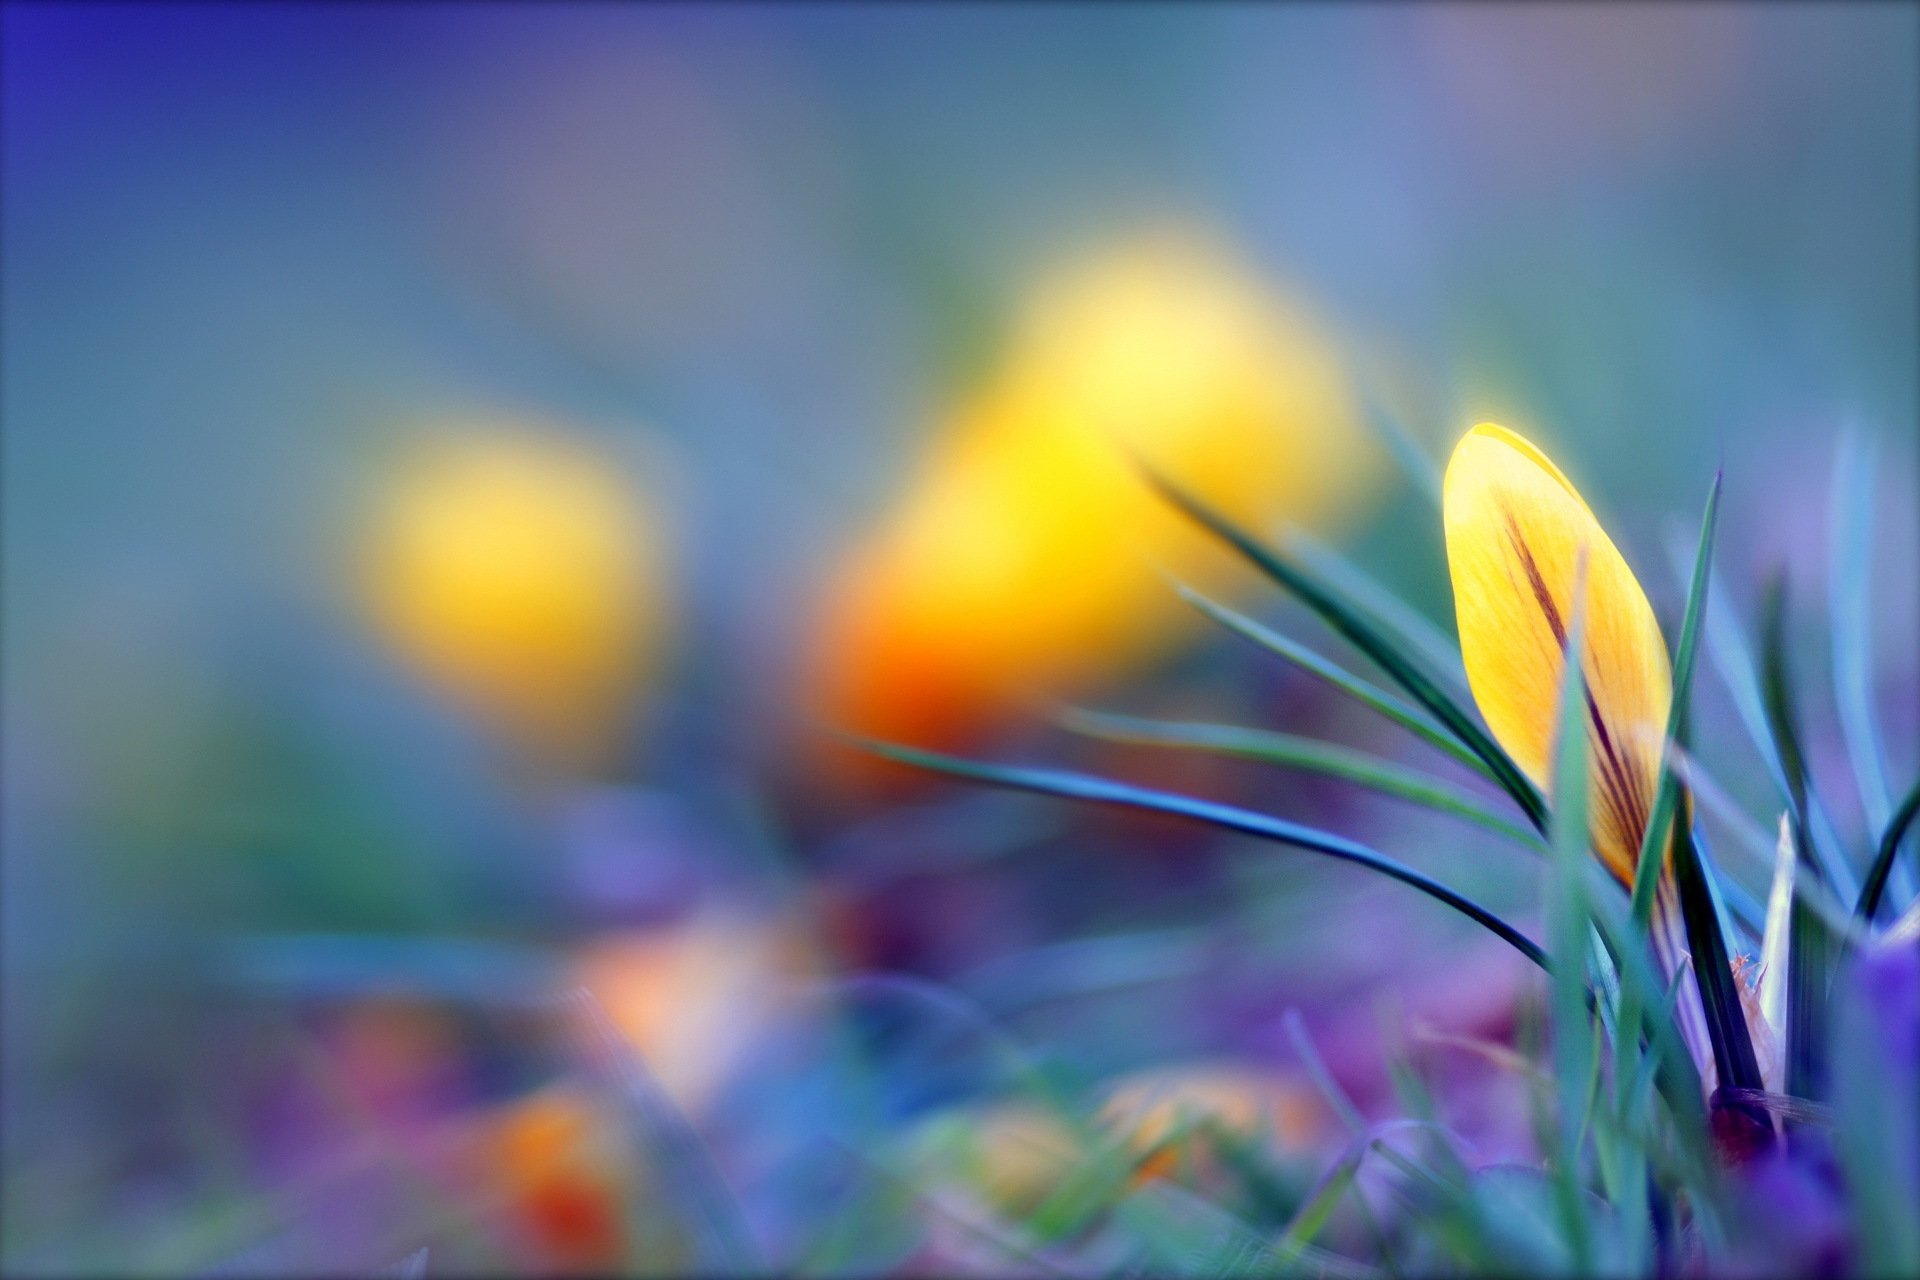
1366,596
1782,719
1367,638
1630,948
1575,1058
1808,942
1293,752
1365,692
1757,855
1652,860
723,1241
1883,857
1079,786
1419,467
1749,837
1316,1068
1735,1064
1733,660
1851,546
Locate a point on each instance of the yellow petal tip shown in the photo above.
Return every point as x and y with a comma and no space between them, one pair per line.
1526,448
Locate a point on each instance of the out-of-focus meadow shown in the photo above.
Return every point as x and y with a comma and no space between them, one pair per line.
465,467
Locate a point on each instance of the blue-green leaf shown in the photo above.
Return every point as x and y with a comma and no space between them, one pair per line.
1653,845
1389,655
1883,856
1574,1054
1078,786
1294,752
1365,692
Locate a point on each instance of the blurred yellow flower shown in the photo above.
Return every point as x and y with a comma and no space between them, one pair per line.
520,574
1516,529
1020,558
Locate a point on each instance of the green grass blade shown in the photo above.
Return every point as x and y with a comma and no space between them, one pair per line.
1851,548
1077,786
1574,1054
1782,718
1316,1068
1366,596
1653,844
1421,470
1732,658
1641,983
1390,658
1664,1066
1749,840
1293,752
1320,1203
1883,857
1733,1057
1809,946
1368,694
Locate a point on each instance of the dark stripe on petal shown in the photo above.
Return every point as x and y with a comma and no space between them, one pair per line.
1625,804
1541,596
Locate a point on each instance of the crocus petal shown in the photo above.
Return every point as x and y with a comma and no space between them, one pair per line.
1516,530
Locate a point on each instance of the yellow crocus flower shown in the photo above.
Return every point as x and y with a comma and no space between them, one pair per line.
1020,559
1516,532
518,573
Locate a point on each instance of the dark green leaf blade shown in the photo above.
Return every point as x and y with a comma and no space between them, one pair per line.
1293,752
1574,1051
1809,944
1734,1060
1653,843
1365,637
1077,786
1365,596
1883,857
1364,692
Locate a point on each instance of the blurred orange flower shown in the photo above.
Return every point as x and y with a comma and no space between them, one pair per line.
566,1181
519,573
692,996
1021,557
